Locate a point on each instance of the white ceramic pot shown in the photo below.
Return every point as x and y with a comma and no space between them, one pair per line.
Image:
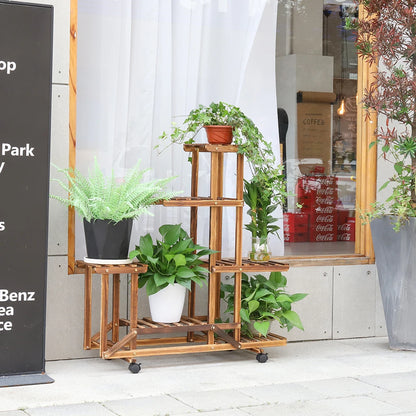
166,305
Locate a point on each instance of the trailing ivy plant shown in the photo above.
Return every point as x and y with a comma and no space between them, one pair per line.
268,178
97,196
263,301
388,34
173,259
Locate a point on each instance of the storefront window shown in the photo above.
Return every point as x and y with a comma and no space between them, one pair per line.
317,98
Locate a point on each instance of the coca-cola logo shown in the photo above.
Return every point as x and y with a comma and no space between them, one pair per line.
325,227
325,218
324,237
344,237
344,227
326,200
326,191
325,210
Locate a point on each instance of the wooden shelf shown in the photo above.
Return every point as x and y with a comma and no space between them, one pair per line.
229,266
211,148
202,202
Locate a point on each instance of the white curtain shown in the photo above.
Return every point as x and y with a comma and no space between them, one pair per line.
143,64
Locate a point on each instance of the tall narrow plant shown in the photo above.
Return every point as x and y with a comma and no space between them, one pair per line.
388,36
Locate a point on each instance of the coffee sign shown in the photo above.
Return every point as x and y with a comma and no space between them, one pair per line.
25,117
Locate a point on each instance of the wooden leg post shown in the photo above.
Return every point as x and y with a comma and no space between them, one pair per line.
104,314
87,307
116,308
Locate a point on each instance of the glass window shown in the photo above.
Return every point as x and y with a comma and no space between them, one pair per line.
317,99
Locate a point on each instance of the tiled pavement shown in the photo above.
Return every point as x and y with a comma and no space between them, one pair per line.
343,377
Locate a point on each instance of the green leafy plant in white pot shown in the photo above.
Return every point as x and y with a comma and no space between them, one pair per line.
263,300
108,207
174,262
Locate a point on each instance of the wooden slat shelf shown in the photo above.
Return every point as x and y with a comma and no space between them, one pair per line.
210,148
202,202
229,266
186,324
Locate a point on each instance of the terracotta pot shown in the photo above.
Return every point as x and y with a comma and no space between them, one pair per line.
219,134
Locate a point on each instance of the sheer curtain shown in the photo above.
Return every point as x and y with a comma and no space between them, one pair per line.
143,64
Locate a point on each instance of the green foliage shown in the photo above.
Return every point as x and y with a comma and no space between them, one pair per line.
99,197
267,176
260,210
173,259
263,300
258,151
388,32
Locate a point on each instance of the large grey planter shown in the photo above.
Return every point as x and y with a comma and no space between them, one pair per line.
396,266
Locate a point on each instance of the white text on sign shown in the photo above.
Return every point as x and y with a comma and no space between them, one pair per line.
8,66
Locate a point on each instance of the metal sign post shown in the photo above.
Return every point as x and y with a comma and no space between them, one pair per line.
25,118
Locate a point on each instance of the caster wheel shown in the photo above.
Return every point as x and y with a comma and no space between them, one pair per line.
134,367
262,358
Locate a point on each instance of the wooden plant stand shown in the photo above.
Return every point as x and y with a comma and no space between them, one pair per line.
193,333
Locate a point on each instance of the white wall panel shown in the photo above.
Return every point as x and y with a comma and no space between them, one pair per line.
354,301
381,329
315,310
58,217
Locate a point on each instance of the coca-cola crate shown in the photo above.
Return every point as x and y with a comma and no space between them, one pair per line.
346,231
316,236
296,237
295,227
314,191
295,222
318,217
323,224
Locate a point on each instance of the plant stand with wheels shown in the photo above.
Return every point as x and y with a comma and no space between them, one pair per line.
192,333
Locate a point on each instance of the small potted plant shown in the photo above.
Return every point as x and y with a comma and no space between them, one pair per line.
262,223
108,207
264,300
267,175
221,121
173,263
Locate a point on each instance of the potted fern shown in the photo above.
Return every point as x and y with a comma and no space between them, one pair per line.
173,263
108,208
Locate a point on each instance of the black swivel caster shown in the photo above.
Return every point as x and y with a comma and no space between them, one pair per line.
134,367
262,357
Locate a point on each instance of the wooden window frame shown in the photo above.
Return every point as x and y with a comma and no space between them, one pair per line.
366,165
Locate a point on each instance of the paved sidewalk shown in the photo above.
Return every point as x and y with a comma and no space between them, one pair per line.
344,377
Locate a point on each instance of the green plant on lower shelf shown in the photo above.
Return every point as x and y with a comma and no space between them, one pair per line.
263,300
173,259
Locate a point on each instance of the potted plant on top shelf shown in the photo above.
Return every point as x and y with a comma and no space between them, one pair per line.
388,33
267,176
173,263
108,207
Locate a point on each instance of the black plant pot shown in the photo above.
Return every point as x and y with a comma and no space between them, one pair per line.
106,241
396,267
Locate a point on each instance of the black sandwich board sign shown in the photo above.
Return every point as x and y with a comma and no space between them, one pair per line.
25,118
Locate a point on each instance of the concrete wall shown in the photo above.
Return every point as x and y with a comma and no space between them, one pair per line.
343,301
